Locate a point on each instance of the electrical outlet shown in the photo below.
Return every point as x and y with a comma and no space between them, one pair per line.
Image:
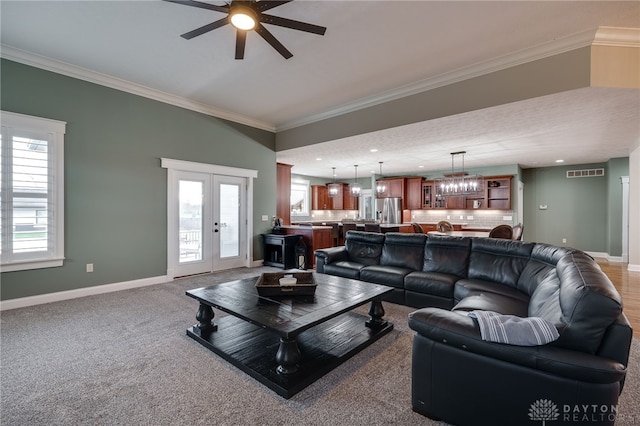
265,217
564,240
448,217
89,267
469,217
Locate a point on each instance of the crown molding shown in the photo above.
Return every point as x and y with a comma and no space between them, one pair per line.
90,76
617,37
610,36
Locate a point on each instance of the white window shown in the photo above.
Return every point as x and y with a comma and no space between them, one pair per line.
300,199
31,192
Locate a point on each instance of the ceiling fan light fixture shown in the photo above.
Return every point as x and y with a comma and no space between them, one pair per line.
243,18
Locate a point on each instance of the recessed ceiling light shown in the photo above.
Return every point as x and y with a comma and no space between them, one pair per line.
318,159
559,161
421,167
373,150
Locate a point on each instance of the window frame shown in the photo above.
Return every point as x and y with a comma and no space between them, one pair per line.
20,125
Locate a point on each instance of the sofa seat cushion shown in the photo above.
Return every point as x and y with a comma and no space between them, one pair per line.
434,283
482,301
391,276
465,286
345,269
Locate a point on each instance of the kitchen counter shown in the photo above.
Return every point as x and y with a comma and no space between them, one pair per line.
483,234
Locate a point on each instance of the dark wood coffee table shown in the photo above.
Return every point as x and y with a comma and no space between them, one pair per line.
288,343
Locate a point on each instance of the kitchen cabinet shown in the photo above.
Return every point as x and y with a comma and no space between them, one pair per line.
319,198
455,202
337,202
496,196
413,199
498,192
349,202
394,188
428,196
283,192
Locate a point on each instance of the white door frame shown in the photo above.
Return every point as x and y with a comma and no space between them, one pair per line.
172,200
625,218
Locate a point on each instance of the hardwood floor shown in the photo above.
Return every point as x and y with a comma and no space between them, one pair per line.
628,284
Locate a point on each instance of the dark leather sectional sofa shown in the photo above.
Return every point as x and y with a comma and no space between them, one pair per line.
460,378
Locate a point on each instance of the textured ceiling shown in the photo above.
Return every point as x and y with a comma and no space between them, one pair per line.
371,48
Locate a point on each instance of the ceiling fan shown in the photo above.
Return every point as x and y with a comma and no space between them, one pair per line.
247,15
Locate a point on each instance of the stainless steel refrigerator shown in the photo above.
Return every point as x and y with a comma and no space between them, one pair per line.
389,210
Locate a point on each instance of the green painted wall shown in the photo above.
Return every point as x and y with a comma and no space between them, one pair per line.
585,211
115,189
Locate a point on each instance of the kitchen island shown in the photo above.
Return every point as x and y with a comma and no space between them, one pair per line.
315,237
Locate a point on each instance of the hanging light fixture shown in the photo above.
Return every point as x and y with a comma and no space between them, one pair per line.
380,186
459,183
355,187
334,188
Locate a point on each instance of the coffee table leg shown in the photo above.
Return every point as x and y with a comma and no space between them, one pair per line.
376,311
287,356
205,318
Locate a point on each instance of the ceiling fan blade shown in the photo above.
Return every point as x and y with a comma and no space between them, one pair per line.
223,9
268,4
290,23
260,29
241,38
205,29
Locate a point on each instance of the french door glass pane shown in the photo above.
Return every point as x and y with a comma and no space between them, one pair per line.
229,220
191,220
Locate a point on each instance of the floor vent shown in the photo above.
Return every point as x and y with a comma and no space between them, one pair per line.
585,173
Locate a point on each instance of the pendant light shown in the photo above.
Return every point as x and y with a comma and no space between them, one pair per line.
333,188
355,187
459,183
380,186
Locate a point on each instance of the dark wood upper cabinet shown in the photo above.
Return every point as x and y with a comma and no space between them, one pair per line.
319,197
394,188
413,199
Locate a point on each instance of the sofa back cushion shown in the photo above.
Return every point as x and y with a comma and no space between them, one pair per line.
447,255
541,265
403,250
583,304
364,247
498,260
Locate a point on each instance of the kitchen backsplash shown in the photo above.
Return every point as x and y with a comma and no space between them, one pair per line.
328,215
470,218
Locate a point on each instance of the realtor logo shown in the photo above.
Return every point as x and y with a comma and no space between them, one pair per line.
543,410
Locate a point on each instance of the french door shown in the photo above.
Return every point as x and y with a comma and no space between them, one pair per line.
207,222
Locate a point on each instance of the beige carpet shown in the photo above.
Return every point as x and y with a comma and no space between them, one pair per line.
123,359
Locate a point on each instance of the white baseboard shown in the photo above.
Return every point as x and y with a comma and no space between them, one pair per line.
40,299
634,268
606,256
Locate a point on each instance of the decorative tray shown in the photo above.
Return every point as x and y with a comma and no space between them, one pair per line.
268,284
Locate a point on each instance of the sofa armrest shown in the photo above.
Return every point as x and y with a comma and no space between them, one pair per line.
329,255
461,331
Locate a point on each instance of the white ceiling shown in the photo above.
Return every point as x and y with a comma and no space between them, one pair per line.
370,49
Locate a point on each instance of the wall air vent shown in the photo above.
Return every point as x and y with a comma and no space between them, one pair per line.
585,173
